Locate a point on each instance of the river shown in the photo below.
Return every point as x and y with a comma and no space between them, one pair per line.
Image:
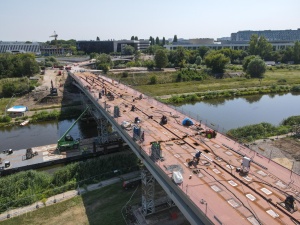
221,114
32,135
227,113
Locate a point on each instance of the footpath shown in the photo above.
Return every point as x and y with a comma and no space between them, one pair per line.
65,196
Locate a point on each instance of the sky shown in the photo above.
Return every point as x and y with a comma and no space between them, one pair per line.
36,20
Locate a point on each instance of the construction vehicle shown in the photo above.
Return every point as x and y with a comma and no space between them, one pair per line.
67,141
53,90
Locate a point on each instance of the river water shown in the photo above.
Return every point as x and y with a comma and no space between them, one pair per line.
45,133
224,114
221,114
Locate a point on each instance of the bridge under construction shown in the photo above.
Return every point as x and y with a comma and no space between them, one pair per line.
211,178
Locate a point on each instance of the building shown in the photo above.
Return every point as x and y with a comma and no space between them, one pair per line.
270,35
110,46
20,47
54,50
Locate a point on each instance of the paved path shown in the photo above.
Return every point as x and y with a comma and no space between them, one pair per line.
65,196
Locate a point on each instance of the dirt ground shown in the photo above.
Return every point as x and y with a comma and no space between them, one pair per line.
40,97
284,150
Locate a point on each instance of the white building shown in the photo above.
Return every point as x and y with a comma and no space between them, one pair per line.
20,47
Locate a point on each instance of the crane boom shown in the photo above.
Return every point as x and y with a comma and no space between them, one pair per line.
64,135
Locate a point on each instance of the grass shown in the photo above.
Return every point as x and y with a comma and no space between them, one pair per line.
3,104
102,206
292,77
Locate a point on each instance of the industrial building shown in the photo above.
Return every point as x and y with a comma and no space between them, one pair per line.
110,46
20,47
270,35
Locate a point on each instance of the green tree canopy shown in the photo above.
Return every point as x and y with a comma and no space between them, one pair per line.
256,68
104,62
297,52
216,61
175,38
260,46
163,41
161,59
97,39
157,41
128,50
246,61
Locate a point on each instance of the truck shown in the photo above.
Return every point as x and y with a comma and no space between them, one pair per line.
67,141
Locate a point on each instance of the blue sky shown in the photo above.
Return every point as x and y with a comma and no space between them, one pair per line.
36,20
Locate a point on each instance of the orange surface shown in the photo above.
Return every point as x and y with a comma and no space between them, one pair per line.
216,188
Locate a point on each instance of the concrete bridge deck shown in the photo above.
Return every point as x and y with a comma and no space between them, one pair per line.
212,192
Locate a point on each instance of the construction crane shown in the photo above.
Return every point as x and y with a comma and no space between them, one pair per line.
67,141
55,35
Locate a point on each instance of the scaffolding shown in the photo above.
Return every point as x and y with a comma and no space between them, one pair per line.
148,191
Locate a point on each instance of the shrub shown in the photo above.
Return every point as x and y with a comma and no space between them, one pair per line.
296,88
5,119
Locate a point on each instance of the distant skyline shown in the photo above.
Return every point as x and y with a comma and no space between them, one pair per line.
36,20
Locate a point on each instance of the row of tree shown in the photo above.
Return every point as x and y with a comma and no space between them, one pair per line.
18,65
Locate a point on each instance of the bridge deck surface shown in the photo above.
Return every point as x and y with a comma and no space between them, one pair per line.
213,185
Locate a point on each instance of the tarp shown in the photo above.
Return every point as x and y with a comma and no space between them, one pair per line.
187,122
18,108
177,177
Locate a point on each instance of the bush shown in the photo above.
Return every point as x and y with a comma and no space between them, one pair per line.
125,74
296,88
153,79
5,119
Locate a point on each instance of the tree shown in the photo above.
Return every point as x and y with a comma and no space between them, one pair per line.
104,62
198,60
216,61
157,41
136,38
97,39
260,46
202,51
132,38
246,61
163,41
150,40
256,68
128,50
161,59
297,52
175,38
180,57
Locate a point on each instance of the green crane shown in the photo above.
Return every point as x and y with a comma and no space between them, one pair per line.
67,141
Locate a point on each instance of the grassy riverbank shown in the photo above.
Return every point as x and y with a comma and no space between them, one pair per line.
166,84
264,130
26,187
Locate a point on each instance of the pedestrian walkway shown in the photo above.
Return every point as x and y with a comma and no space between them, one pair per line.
65,196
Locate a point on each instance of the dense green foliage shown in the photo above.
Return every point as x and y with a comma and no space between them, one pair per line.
263,130
26,187
293,120
18,65
256,68
5,119
216,61
199,96
161,59
103,62
16,86
190,74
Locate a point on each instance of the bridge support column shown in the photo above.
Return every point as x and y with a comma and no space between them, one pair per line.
148,190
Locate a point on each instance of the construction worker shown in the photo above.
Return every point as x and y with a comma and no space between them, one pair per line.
197,156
